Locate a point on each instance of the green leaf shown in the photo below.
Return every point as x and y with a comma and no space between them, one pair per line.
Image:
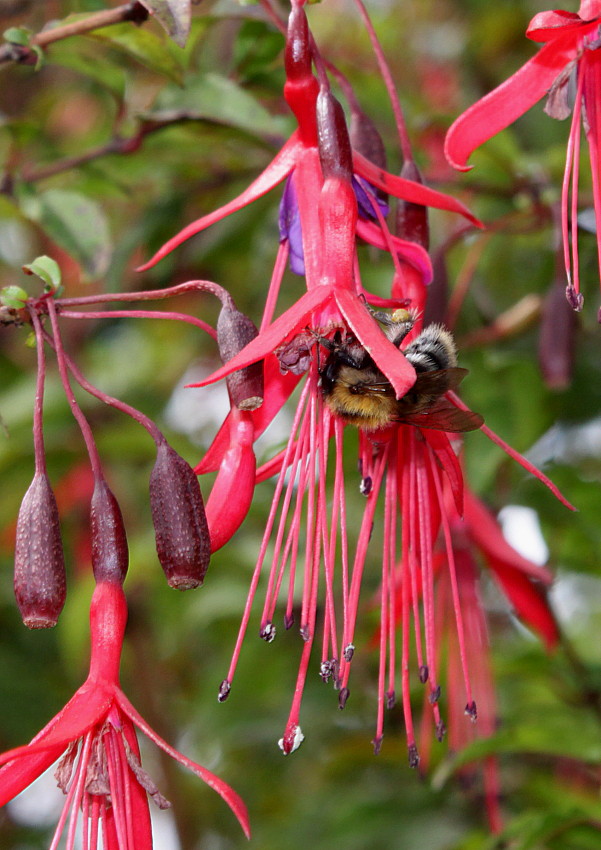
81,55
18,35
173,15
47,269
13,296
74,222
145,46
216,98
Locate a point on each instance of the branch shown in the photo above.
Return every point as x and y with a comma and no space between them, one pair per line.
26,55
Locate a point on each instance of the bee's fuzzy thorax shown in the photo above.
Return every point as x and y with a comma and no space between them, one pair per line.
433,349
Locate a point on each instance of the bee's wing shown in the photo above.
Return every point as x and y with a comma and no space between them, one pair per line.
444,416
435,382
379,388
438,381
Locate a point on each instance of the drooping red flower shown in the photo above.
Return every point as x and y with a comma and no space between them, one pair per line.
461,624
570,57
94,736
403,468
299,161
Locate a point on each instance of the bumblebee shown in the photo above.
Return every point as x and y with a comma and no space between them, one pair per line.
357,391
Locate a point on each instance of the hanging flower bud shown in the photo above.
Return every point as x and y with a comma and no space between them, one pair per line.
109,542
300,88
40,584
297,55
180,525
412,219
234,331
437,299
366,139
556,338
334,144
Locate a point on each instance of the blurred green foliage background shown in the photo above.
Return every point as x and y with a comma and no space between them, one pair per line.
208,118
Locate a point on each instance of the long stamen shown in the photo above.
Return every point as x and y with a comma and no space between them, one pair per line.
411,535
358,565
388,555
73,796
425,550
453,577
226,685
294,472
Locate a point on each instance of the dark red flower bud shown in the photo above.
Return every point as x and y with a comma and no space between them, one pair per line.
109,542
40,584
412,219
366,139
334,143
437,300
557,338
297,55
234,331
180,525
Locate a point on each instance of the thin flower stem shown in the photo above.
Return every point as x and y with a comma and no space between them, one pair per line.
152,294
84,425
141,314
38,408
273,16
139,417
388,82
464,278
386,232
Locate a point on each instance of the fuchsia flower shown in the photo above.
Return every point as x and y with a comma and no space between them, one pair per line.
299,161
95,739
404,467
460,621
570,55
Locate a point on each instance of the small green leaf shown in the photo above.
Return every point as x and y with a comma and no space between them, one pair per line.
174,16
18,35
74,222
41,57
13,296
145,46
47,269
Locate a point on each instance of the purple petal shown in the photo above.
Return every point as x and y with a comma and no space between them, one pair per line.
365,194
290,227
